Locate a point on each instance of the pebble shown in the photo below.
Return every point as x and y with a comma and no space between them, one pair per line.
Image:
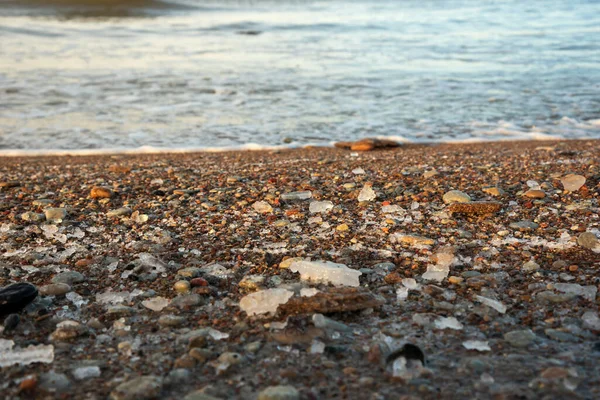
530,266
475,207
572,182
535,194
588,240
411,240
15,297
54,382
119,212
191,272
320,206
294,196
367,194
11,322
199,395
142,388
171,320
494,191
520,338
187,301
68,277
156,303
67,330
182,286
55,214
262,207
560,336
55,289
279,393
33,217
100,192
85,373
524,225
456,196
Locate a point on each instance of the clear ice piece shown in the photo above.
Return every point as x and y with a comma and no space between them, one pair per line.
24,356
367,194
495,304
479,345
156,303
265,301
587,292
320,206
447,323
304,195
326,272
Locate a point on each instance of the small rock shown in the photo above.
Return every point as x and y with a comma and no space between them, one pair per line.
456,196
68,277
535,194
411,240
187,301
588,240
67,330
55,214
142,388
156,303
520,338
262,207
11,322
279,393
251,283
15,297
182,286
55,289
560,336
320,206
294,196
33,217
119,212
54,382
367,194
573,182
171,320
475,207
100,192
85,373
524,225
494,191
530,266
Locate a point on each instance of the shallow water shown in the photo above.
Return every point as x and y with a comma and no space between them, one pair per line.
95,74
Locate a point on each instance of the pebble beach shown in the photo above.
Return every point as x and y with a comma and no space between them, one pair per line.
424,271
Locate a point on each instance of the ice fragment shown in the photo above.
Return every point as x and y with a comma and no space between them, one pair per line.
24,356
265,301
326,272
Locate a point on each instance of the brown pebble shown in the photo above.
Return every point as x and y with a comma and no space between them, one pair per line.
28,385
573,268
554,373
185,361
535,194
119,169
198,282
99,192
475,207
393,277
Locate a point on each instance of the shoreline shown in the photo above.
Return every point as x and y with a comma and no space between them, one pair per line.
250,147
131,262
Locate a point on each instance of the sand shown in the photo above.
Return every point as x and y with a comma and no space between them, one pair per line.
518,276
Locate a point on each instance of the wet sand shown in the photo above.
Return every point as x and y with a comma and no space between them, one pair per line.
521,285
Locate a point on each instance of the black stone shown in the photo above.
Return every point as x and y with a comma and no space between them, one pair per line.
15,297
11,322
408,351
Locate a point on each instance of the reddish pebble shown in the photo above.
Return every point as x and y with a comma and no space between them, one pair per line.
203,290
198,282
28,385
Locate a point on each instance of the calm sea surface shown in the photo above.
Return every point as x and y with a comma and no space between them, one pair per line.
96,74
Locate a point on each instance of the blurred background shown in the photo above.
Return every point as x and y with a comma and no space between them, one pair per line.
97,74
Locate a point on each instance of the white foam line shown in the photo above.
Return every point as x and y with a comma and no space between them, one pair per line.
257,147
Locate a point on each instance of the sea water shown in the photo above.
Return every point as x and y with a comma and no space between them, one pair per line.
188,74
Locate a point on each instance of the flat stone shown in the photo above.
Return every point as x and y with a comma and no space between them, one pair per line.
119,212
524,225
535,194
573,182
187,301
33,217
100,192
171,320
279,393
54,382
55,214
190,272
55,289
198,395
475,207
588,240
494,191
341,299
456,196
68,277
560,336
411,240
520,338
142,388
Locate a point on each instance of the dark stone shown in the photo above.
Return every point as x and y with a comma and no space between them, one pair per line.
15,297
408,351
11,322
